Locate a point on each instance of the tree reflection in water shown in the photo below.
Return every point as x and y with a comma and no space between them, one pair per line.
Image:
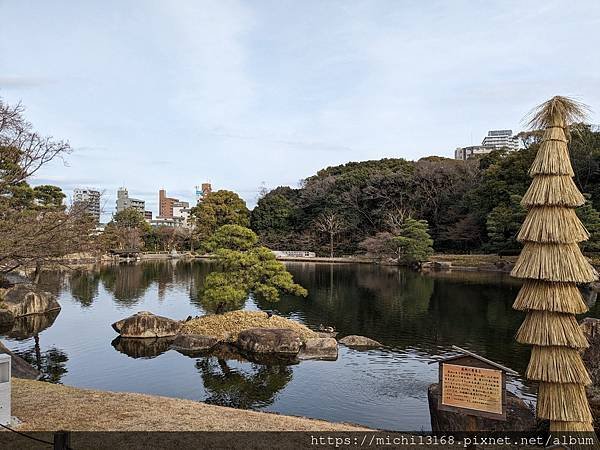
253,387
83,285
52,362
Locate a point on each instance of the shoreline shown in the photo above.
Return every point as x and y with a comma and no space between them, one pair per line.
43,406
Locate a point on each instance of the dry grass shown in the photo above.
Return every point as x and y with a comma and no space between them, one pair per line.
547,296
553,262
552,190
564,402
226,327
45,406
551,329
552,158
551,254
557,426
557,365
559,111
553,224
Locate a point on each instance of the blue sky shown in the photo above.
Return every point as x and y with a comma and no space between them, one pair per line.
249,93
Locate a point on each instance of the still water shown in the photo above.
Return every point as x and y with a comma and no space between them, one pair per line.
417,317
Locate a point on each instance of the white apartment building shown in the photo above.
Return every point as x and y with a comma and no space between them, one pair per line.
181,210
495,139
89,200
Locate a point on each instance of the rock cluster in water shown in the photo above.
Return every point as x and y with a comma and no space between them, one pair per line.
146,335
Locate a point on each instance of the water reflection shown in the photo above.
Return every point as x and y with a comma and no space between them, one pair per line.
416,316
52,362
28,326
142,348
247,386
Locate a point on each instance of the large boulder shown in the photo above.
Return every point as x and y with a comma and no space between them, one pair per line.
193,343
319,348
22,300
269,340
19,367
359,342
519,416
144,324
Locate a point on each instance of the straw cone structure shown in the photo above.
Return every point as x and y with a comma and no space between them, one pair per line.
552,264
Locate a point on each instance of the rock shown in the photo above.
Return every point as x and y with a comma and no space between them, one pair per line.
144,324
193,343
327,334
359,342
319,348
22,300
519,416
19,367
269,340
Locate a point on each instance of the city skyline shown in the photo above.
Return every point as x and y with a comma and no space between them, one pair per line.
251,93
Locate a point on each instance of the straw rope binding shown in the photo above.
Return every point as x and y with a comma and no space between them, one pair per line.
552,264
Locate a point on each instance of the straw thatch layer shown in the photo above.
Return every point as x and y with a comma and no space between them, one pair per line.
554,134
551,329
559,111
553,262
548,296
552,159
557,365
555,224
552,190
565,402
582,427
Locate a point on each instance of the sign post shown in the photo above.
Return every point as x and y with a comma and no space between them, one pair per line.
473,385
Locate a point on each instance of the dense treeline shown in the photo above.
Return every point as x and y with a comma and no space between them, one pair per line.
469,205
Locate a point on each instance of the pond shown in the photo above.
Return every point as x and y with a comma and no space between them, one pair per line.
416,316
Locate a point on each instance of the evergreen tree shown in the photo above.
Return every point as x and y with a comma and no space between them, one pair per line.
244,268
590,217
408,242
503,224
413,241
217,209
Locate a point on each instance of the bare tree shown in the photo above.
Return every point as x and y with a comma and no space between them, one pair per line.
331,224
30,232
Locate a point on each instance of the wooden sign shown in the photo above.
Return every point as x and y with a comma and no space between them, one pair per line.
473,385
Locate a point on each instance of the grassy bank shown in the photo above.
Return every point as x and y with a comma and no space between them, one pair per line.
44,406
491,263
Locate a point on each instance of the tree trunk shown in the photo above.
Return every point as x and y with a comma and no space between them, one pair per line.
331,245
